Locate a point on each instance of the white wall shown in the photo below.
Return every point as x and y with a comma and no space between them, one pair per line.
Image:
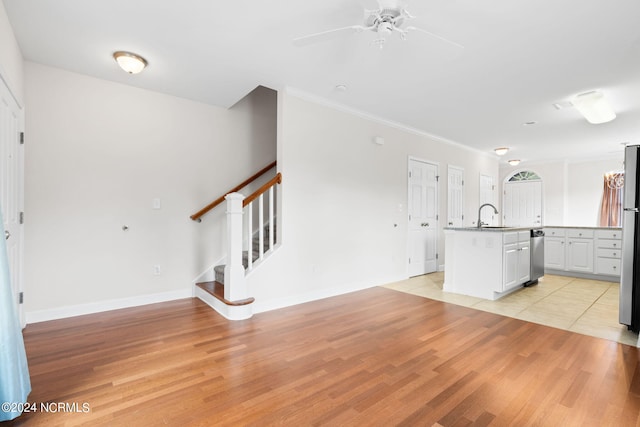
572,190
97,154
11,63
341,198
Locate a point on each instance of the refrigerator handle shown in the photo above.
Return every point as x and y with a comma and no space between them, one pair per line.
631,209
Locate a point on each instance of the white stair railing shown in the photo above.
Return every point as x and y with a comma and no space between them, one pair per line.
235,287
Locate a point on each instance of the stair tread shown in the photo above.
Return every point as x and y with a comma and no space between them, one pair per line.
216,289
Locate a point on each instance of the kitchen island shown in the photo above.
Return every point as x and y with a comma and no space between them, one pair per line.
487,262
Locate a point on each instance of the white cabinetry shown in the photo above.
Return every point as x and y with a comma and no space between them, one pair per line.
516,259
486,263
580,250
554,253
608,252
587,251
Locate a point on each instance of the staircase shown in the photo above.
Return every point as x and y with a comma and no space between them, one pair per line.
227,292
216,287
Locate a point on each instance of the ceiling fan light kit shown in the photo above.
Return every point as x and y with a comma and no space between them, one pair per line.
389,18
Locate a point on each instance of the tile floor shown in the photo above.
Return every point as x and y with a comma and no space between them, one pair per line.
588,307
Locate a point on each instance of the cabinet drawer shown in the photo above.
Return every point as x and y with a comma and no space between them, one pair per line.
580,233
608,253
609,243
524,236
608,266
609,234
511,237
555,232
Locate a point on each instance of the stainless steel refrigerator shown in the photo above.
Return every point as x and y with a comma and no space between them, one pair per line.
630,272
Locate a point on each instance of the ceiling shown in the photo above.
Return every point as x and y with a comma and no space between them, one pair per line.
519,58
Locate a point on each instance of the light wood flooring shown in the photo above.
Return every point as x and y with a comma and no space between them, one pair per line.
376,357
585,306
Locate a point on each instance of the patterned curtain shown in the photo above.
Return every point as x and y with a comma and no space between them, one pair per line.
611,209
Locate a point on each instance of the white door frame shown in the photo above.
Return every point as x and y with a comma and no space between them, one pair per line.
16,107
437,208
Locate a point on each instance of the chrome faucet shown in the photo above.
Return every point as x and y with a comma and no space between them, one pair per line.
480,223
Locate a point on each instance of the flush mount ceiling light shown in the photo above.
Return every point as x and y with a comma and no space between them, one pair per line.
501,151
514,162
594,107
130,62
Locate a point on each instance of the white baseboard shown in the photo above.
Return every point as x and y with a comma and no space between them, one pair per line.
274,304
97,307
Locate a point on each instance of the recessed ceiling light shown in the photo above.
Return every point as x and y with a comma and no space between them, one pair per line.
341,88
130,62
514,162
501,151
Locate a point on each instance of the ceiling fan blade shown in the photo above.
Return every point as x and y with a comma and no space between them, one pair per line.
458,45
328,35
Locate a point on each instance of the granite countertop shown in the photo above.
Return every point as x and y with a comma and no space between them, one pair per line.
494,229
583,227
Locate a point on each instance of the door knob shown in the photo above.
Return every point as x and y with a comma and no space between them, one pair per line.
6,234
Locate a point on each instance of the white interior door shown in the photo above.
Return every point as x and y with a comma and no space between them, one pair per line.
523,204
455,196
487,196
423,217
11,175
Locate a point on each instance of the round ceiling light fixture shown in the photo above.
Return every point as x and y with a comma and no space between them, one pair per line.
130,62
514,162
501,151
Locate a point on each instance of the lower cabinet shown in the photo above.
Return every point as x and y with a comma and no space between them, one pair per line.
516,259
583,250
580,255
554,255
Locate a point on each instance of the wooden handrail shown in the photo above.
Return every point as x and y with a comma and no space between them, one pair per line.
196,216
273,181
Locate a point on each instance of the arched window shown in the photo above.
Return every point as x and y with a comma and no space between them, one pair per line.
525,176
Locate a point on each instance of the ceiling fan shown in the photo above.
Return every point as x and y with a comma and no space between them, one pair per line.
390,17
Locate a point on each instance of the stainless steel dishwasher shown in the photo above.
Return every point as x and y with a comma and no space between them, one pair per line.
537,257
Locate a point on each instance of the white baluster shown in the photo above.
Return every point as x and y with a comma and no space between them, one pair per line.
261,226
250,230
235,285
271,224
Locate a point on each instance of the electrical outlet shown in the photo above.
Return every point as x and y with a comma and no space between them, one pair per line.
156,270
